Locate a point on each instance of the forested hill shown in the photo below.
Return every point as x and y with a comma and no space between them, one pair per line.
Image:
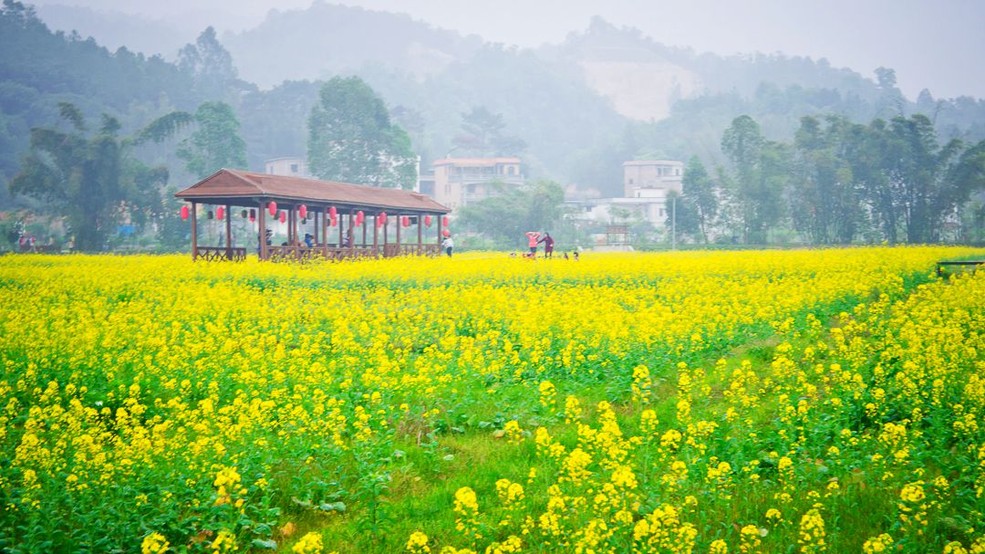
581,108
39,69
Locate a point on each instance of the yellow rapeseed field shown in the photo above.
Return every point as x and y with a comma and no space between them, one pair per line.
775,401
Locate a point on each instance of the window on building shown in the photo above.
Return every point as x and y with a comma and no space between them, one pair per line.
631,180
294,168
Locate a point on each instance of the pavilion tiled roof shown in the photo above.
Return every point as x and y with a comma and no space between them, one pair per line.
249,189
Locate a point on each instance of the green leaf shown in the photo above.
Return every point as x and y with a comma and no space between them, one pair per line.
332,507
268,544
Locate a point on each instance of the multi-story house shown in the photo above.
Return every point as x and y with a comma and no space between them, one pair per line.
651,178
460,181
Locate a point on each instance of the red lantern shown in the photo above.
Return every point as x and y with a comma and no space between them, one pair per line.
446,233
334,222
444,221
303,211
272,208
332,212
427,220
382,217
184,213
283,216
405,221
359,217
219,212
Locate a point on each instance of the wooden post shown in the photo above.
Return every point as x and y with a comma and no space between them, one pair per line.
262,233
229,234
350,232
400,226
420,231
338,218
194,231
376,232
439,218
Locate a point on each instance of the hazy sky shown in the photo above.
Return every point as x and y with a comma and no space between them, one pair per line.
935,44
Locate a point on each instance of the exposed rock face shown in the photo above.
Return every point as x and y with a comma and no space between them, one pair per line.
641,90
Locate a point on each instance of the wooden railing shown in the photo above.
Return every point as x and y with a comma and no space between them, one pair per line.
211,253
327,252
332,252
392,250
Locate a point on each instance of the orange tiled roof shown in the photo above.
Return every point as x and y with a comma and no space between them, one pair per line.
248,189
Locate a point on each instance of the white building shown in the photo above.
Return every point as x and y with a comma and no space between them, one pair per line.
458,181
647,185
288,166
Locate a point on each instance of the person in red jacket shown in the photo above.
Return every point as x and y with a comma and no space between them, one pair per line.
532,240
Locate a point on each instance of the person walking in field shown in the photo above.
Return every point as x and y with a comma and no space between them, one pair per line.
532,240
548,241
448,245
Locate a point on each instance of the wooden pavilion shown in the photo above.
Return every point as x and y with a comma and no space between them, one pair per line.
336,215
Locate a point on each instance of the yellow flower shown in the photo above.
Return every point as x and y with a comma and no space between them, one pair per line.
154,543
311,543
418,543
875,545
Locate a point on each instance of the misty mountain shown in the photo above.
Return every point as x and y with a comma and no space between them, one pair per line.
326,40
582,107
114,29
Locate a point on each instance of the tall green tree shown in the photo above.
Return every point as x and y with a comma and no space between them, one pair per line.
931,180
826,205
210,65
760,168
215,143
700,197
90,177
351,138
682,217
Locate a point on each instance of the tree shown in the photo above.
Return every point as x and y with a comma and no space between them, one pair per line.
351,138
891,100
682,217
699,200
210,65
216,143
825,202
761,169
482,135
931,180
88,177
504,218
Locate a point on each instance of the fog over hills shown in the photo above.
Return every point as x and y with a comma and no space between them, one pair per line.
930,44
